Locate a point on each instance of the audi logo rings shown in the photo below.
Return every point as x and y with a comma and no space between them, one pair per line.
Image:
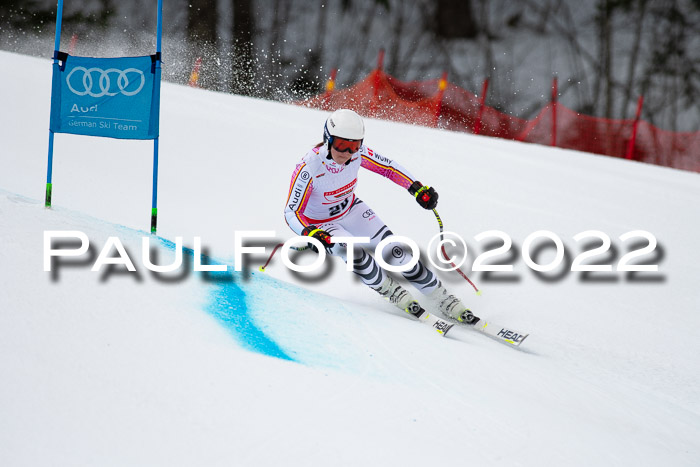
104,82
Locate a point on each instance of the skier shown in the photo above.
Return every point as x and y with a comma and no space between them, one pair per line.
322,203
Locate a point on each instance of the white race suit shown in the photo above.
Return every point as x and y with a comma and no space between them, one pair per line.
322,193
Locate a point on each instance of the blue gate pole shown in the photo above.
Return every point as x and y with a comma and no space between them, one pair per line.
154,201
49,170
56,47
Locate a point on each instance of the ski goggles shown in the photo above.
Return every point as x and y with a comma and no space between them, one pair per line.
346,145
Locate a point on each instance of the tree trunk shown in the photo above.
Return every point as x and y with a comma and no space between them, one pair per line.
454,20
201,22
634,56
603,89
243,81
607,58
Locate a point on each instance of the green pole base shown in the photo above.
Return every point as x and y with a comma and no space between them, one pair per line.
47,200
154,220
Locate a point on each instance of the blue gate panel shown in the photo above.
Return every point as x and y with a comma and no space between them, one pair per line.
112,97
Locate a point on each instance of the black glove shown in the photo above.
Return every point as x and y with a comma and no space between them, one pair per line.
426,196
320,235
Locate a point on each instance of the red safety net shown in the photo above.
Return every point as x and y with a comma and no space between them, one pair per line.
437,103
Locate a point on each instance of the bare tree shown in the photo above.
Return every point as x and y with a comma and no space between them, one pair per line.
629,85
201,22
604,81
454,20
671,74
307,80
243,80
275,71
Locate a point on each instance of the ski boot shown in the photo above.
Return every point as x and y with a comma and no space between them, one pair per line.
452,307
392,291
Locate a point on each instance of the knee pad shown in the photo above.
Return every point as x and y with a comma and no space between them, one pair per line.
395,254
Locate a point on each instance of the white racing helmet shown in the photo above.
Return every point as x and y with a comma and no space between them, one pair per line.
345,124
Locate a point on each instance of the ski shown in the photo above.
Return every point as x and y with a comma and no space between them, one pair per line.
440,325
500,333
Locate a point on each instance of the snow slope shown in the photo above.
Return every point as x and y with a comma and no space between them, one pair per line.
244,368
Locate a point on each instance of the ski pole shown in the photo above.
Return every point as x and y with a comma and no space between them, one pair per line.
444,253
297,248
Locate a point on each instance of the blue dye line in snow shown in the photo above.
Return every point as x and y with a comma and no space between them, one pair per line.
228,305
227,302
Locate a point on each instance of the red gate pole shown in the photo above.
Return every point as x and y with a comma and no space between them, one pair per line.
442,85
330,86
194,76
630,146
555,92
374,105
482,104
73,42
380,59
